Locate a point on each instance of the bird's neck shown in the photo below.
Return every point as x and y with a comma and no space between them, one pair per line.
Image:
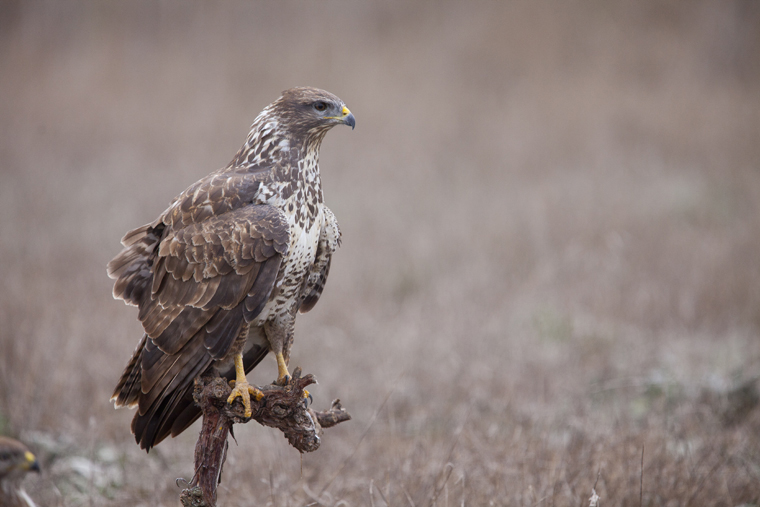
270,145
281,160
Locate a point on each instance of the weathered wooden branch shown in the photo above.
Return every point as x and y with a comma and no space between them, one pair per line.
282,407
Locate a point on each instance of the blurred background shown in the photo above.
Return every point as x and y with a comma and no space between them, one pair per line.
551,243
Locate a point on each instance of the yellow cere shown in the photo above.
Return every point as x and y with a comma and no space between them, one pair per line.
345,111
30,457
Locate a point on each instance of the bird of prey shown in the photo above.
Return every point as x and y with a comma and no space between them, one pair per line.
219,277
15,462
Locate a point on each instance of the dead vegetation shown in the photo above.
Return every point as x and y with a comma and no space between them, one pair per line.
551,219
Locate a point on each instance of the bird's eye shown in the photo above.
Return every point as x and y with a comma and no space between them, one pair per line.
320,106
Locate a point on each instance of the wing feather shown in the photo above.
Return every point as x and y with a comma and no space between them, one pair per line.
315,289
127,390
174,409
261,291
199,275
329,240
222,330
168,371
131,268
183,327
181,411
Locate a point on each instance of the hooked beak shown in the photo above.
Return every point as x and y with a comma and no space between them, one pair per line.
31,462
348,118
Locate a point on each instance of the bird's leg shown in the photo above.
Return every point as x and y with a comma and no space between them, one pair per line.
242,387
280,333
283,375
280,336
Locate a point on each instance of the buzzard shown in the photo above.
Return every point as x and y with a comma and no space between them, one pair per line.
219,277
15,462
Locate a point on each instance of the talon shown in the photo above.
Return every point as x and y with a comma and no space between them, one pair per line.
242,388
307,396
245,391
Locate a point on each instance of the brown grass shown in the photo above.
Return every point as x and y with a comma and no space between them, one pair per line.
551,217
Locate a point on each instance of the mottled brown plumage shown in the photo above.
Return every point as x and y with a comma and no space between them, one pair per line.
221,274
15,462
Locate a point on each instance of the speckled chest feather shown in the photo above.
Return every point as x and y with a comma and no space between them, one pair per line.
292,184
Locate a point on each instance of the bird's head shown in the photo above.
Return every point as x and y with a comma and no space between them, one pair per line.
312,112
16,459
292,125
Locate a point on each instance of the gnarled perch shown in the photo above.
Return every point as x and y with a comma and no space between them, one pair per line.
282,407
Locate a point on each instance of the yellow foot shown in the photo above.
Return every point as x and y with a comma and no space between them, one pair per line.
245,391
282,370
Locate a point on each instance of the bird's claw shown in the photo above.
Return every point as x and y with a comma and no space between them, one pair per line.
245,391
285,381
307,396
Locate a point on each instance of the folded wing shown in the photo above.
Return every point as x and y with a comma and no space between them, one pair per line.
199,279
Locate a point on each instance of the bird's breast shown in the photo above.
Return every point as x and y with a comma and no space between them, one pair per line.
304,238
305,225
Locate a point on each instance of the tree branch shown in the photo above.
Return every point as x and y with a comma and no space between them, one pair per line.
282,407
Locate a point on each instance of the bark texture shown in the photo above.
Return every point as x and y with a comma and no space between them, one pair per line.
283,407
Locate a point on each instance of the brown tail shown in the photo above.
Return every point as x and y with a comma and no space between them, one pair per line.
174,410
127,391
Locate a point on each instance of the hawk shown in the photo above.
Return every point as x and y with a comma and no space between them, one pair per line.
15,462
219,277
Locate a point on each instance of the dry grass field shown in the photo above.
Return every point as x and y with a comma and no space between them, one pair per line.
551,253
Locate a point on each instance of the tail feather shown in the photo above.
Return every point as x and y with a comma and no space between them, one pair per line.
174,410
127,389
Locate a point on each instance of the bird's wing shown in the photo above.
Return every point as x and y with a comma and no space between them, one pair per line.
329,240
212,196
197,280
183,411
187,277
